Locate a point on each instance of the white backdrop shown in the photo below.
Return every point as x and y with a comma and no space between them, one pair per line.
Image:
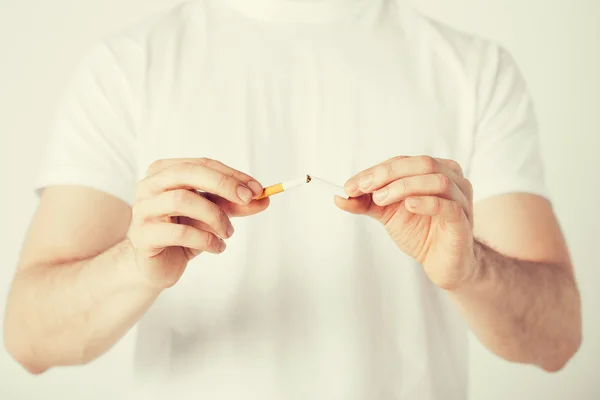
555,42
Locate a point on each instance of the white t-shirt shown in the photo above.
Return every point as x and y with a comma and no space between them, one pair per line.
307,302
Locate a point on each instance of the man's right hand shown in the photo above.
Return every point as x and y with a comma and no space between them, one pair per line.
87,253
182,208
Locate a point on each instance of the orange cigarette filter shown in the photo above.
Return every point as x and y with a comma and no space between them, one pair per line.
283,187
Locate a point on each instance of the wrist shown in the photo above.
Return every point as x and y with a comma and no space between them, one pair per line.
472,268
130,271
475,266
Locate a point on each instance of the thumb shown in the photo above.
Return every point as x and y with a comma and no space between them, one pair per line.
239,210
362,205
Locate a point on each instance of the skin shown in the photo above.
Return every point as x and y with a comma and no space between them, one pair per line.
504,261
78,268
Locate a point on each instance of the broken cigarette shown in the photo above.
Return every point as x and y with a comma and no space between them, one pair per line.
283,187
286,186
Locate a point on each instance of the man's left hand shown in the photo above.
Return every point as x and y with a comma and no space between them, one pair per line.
425,204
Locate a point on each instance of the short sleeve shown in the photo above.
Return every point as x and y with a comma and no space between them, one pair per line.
92,140
506,155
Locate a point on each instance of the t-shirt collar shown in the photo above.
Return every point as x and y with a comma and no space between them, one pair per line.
301,11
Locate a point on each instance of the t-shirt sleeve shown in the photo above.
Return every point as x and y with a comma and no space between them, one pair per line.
506,156
93,136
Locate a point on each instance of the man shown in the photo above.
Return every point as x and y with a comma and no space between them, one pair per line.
171,130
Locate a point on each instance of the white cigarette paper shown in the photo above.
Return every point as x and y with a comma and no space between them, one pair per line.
337,189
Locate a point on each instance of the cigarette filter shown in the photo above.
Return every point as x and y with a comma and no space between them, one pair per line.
283,187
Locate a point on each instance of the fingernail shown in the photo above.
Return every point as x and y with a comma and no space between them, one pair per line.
230,231
365,181
380,195
222,246
413,202
255,187
244,193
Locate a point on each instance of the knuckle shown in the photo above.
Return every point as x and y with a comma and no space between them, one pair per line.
142,187
405,186
455,166
179,199
146,189
210,241
186,168
210,163
389,169
204,161
223,219
455,208
240,176
155,167
436,205
224,181
428,164
444,183
215,163
469,188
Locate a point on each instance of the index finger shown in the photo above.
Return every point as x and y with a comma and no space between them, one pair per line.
195,177
380,175
215,165
452,165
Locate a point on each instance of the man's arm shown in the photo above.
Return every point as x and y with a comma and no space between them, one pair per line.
522,302
91,265
76,273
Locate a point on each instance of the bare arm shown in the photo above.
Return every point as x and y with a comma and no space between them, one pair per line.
66,302
522,302
517,291
91,266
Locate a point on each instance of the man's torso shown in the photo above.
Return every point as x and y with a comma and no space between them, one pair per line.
307,301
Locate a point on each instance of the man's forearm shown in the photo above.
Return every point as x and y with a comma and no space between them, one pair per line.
523,311
72,313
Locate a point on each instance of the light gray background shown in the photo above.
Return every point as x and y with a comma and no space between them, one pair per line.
556,43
